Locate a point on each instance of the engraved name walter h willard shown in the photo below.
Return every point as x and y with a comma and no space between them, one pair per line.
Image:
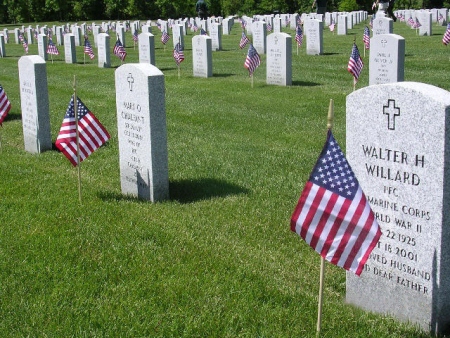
141,122
409,161
396,145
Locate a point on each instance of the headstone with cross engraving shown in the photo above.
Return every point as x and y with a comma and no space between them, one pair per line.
202,56
279,59
34,104
259,36
314,37
387,59
141,123
397,146
215,33
382,25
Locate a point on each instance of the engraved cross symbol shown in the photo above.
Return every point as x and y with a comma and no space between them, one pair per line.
276,40
383,43
391,111
130,81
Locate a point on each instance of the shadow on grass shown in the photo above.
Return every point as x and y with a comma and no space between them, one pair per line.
223,75
12,117
305,84
186,191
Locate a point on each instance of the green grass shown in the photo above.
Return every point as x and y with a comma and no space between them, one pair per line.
216,260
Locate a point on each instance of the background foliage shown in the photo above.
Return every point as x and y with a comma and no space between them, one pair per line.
15,11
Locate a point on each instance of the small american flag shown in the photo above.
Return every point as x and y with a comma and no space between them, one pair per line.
92,134
178,53
252,61
333,215
440,17
5,105
195,27
51,48
243,23
355,64
244,41
299,36
119,50
269,27
417,24
135,36
24,43
164,37
411,22
366,37
203,32
332,25
88,48
446,37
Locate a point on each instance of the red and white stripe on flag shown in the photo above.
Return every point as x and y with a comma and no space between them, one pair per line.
92,134
333,215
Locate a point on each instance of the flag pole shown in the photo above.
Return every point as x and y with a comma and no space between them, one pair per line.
322,260
75,108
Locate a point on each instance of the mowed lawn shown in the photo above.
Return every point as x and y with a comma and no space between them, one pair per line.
218,259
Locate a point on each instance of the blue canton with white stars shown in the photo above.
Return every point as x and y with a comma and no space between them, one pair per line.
333,172
81,109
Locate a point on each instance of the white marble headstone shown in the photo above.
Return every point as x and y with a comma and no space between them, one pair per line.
202,56
279,59
314,37
34,104
70,53
103,50
147,48
259,36
397,145
142,131
42,46
387,59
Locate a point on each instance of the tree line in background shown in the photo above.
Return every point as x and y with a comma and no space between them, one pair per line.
18,11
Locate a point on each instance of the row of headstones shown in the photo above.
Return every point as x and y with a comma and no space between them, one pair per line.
439,16
425,18
141,122
395,144
386,61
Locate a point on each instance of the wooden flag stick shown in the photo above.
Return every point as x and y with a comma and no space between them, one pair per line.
322,260
75,107
1,129
251,77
